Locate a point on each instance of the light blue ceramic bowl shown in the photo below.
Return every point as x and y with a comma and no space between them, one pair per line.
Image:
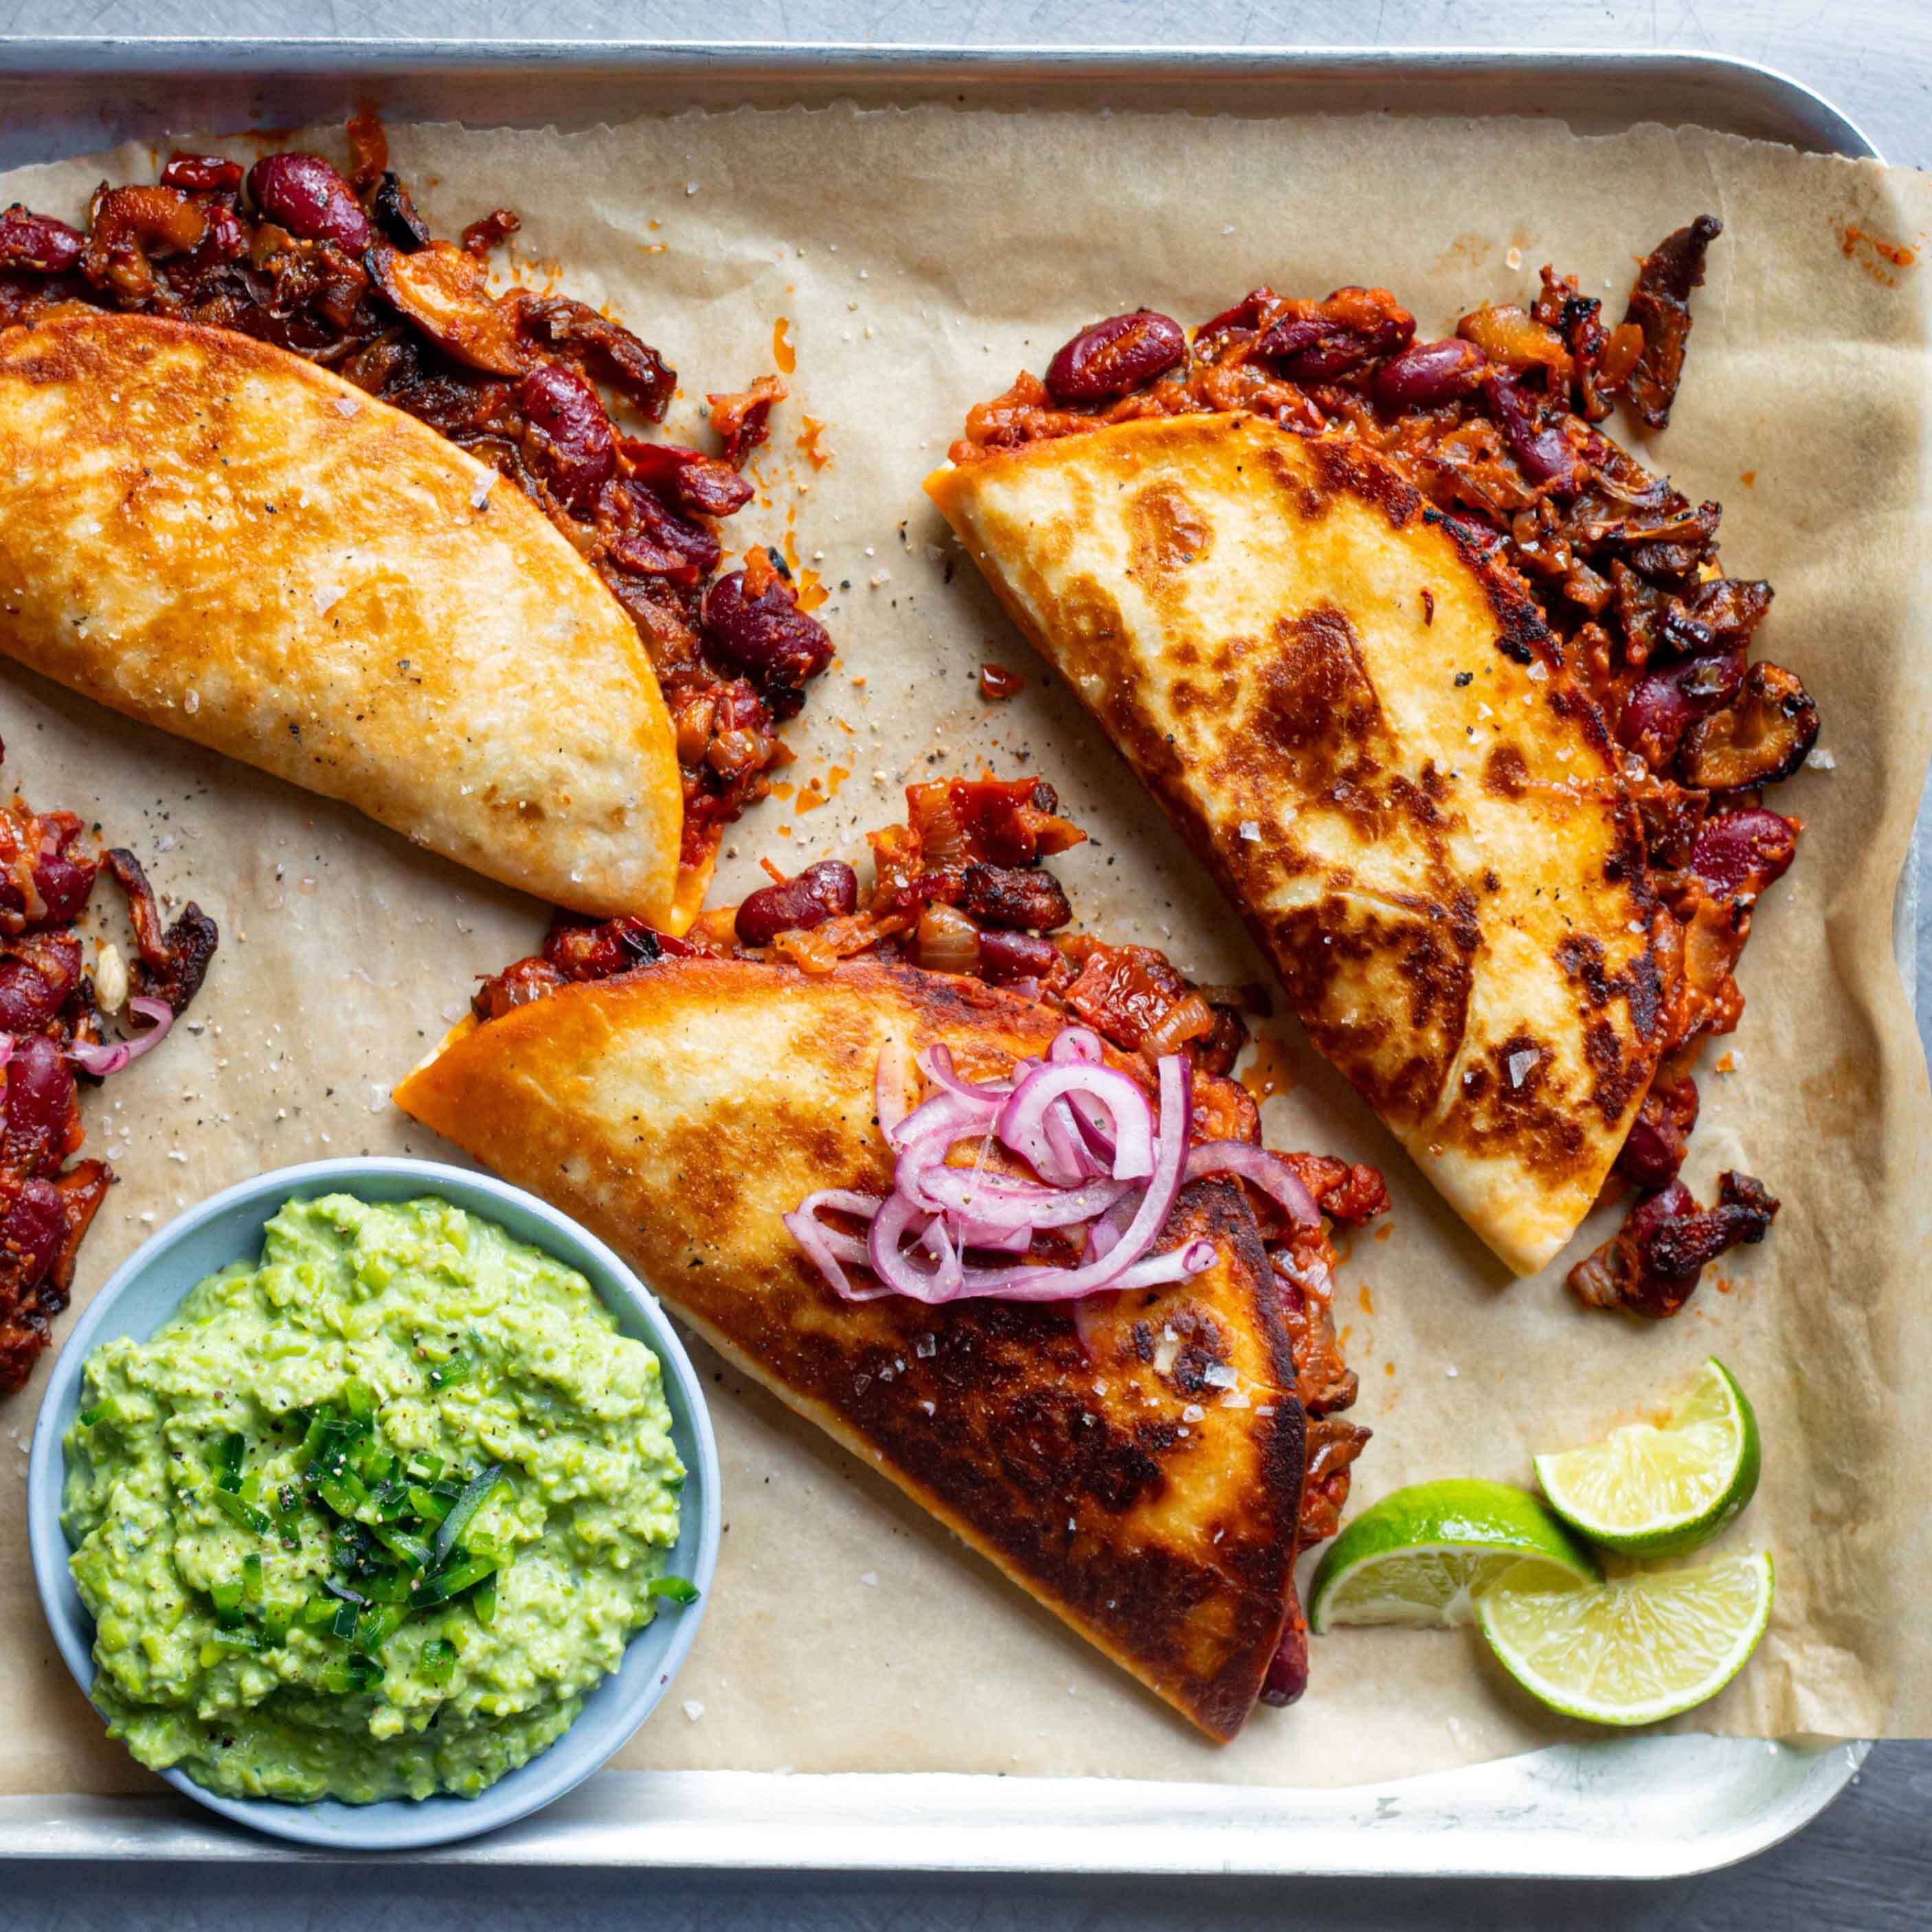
144,1291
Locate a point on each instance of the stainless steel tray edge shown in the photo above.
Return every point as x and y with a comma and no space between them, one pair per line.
1625,1808
1621,1807
97,90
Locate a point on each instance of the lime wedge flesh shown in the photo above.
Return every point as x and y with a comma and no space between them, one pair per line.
1422,1555
1634,1649
1648,1491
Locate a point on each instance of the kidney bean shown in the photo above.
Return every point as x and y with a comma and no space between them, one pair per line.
1743,851
821,892
1005,956
1427,373
768,637
28,1001
225,240
600,348
32,1231
37,243
571,440
1654,1148
651,539
1336,336
41,1117
63,881
1287,1676
304,194
202,174
1107,359
1545,453
687,477
1663,705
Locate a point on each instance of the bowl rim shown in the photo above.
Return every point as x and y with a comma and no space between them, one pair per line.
395,1824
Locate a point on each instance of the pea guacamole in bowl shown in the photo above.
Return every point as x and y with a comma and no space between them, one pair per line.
373,1503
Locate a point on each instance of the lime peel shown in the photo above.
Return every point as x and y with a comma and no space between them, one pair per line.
1422,1555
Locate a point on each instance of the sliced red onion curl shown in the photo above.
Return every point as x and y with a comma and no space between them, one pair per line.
1107,1166
103,1061
1267,1171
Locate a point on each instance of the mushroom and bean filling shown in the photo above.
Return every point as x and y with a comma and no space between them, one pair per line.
339,269
960,888
1498,425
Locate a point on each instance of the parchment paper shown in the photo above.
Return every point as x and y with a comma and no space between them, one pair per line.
920,258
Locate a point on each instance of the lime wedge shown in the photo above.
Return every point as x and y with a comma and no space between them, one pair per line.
1421,1556
1636,1649
1652,1492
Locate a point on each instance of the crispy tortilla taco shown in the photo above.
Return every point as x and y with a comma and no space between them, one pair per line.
1500,843
1016,1244
213,536
579,710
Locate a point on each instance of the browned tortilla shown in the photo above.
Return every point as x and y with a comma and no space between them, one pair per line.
215,537
680,1110
1366,730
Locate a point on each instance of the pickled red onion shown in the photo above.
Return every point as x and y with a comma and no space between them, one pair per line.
103,1061
1107,1167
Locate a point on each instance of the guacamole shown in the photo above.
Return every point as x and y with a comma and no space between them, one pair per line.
369,1518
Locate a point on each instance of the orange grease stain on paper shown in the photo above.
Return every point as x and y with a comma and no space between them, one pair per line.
1368,1300
816,793
1270,1072
1883,261
783,353
810,429
806,584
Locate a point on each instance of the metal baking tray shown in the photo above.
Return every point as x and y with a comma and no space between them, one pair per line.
1620,1808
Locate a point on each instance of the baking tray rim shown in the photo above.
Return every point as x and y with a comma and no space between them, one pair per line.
1539,1803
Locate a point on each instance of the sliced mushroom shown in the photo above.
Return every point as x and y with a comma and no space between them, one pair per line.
445,293
1762,736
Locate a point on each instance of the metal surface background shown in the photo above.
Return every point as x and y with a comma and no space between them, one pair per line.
1624,1807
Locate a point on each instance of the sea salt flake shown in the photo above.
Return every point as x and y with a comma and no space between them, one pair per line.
1537,672
693,1709
325,596
870,1579
347,406
479,497
1193,1412
1518,1065
1251,829
1821,760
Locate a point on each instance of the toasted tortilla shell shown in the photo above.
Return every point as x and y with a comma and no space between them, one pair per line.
681,1110
212,535
1365,730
